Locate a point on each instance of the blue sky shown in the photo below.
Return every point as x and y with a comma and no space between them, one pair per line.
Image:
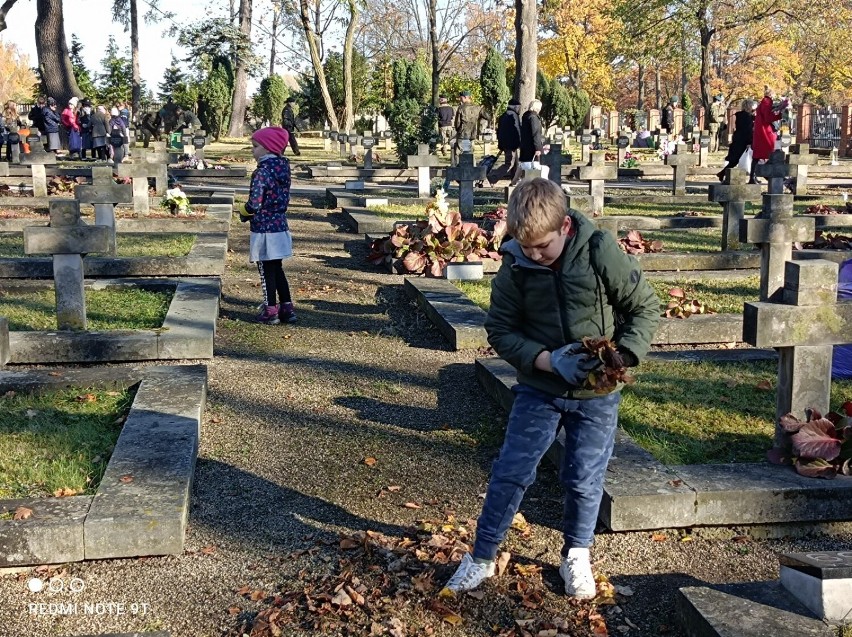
91,21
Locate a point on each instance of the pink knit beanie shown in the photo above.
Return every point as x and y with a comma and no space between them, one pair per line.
273,138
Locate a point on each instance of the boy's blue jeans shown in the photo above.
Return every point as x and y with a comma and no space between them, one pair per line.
589,436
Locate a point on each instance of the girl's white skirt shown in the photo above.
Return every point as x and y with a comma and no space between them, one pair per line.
267,246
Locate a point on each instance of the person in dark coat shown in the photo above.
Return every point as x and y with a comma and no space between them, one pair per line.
51,121
446,116
508,141
532,139
289,124
668,116
743,132
36,115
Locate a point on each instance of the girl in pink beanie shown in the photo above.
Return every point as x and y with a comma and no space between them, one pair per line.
266,211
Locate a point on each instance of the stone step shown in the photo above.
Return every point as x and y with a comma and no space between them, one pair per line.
822,581
641,493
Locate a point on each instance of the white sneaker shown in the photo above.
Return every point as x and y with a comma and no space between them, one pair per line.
470,574
576,570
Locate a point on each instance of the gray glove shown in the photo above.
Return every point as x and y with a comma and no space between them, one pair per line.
573,363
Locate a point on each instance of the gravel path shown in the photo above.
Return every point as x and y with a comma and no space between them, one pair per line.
293,413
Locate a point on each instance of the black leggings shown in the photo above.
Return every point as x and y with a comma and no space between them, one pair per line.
273,280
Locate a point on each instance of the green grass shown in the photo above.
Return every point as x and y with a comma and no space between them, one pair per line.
397,211
662,209
58,440
129,245
722,295
697,240
111,309
690,413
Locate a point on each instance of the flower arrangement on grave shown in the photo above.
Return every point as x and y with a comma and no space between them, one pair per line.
824,209
426,246
681,306
176,202
500,212
669,147
630,160
635,243
826,241
819,446
612,371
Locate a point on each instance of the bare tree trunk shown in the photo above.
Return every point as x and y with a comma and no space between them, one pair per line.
658,87
316,61
136,76
526,50
53,61
238,102
232,14
348,109
276,18
705,34
640,100
4,9
435,53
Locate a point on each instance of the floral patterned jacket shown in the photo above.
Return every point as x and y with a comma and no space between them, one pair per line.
269,195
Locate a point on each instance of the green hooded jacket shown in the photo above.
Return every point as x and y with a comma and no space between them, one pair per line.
535,308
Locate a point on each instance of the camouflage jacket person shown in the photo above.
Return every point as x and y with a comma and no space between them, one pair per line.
467,120
535,308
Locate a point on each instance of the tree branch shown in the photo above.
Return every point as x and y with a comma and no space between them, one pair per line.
4,9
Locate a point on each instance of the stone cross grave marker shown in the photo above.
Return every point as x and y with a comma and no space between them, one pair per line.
342,139
703,147
352,140
186,141
67,239
466,173
585,146
733,195
139,174
422,161
680,161
775,229
786,140
332,135
14,142
596,173
388,135
623,144
326,139
801,160
553,161
36,159
199,141
367,143
822,581
803,326
104,194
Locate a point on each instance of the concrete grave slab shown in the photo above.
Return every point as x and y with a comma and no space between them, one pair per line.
822,581
157,448
187,331
641,493
754,609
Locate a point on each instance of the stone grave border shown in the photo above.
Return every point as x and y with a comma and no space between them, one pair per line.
16,170
337,198
341,174
187,331
641,493
206,258
158,447
462,322
217,219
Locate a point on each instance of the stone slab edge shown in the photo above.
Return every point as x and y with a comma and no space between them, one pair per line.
755,609
187,332
699,261
642,494
58,530
458,318
158,447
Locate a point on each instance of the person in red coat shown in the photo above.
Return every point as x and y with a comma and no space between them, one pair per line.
763,141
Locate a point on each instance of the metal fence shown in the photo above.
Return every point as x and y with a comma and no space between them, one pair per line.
825,127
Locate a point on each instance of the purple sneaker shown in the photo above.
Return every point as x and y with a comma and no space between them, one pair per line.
286,313
268,315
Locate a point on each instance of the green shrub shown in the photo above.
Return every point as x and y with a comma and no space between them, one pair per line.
269,102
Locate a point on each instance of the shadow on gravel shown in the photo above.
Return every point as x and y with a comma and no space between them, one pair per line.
357,259
257,511
327,315
339,222
409,322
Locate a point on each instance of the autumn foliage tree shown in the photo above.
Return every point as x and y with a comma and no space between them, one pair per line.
17,80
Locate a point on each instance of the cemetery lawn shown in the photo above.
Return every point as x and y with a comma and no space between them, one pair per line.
110,309
688,241
59,442
396,211
722,295
665,209
129,245
695,413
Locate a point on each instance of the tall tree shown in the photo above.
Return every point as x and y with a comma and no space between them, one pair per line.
238,104
526,50
17,80
349,113
115,83
173,77
316,62
492,78
54,63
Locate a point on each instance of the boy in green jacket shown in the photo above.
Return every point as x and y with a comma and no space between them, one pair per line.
561,280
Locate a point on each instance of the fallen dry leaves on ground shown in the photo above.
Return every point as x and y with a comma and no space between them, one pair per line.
382,585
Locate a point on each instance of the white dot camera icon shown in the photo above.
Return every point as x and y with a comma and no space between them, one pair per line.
56,585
